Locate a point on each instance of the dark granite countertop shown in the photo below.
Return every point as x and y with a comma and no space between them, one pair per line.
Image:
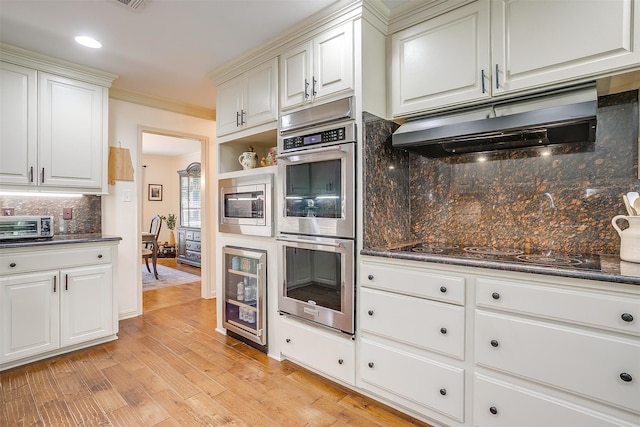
61,239
612,269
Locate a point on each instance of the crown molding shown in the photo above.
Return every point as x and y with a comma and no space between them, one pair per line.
162,104
40,62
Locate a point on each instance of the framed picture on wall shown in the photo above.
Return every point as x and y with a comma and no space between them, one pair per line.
155,192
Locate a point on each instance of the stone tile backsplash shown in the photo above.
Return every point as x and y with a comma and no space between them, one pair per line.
87,211
562,202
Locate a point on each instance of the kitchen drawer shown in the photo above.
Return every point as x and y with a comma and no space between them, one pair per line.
588,363
421,381
330,353
412,281
36,260
598,309
422,323
500,404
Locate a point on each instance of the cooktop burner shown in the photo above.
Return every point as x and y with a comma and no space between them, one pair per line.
487,250
489,253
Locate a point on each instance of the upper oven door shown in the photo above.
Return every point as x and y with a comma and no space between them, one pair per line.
317,191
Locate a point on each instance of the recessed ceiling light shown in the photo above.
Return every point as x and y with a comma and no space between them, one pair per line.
88,42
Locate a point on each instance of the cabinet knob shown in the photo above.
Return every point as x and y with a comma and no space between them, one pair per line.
370,312
443,331
443,289
495,295
370,364
493,410
288,340
443,391
13,264
627,378
99,256
370,277
627,317
494,343
340,361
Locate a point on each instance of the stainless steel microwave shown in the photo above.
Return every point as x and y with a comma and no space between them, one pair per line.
246,205
25,227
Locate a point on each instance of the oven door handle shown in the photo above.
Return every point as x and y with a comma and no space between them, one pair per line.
335,244
330,149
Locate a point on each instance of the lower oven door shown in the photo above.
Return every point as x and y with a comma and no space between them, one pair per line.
316,280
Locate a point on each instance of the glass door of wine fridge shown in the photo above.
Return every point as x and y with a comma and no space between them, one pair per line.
245,299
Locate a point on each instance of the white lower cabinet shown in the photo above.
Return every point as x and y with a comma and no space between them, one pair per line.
415,379
52,311
502,404
327,352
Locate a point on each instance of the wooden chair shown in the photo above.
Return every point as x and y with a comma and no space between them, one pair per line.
150,249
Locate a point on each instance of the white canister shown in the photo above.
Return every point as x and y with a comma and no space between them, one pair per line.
629,238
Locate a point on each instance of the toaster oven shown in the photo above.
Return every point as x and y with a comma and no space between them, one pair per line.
25,227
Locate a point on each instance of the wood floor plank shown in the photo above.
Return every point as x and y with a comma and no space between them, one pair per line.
170,368
87,412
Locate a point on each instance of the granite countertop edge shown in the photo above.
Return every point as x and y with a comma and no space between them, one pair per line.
610,266
62,239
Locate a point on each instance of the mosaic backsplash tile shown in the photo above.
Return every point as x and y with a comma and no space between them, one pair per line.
87,211
562,202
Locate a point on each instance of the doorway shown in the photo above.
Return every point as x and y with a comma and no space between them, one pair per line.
163,155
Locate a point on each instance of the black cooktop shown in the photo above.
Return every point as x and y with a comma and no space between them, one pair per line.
489,253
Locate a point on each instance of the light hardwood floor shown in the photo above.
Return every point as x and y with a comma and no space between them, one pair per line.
170,368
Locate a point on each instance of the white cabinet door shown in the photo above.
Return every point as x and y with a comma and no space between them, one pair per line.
29,321
229,106
333,61
18,124
421,381
86,310
71,133
441,61
318,68
248,100
296,74
500,404
261,95
539,42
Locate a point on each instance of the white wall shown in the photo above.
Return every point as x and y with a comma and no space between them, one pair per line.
122,218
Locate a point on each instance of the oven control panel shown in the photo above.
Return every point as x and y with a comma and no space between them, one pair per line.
299,141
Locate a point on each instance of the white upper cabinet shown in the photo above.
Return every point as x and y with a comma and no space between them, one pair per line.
71,150
538,42
442,61
495,47
318,68
53,125
248,100
18,123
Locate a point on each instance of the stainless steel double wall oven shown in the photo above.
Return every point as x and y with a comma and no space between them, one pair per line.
316,214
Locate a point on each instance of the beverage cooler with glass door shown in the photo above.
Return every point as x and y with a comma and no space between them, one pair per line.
245,295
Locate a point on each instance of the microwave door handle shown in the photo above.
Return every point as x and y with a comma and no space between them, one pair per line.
314,151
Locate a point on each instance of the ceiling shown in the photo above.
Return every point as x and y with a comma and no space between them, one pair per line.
164,48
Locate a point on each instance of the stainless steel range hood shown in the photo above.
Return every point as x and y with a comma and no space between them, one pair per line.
561,117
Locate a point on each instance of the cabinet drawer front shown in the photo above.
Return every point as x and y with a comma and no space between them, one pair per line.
196,236
54,259
422,381
194,246
499,404
321,350
589,363
413,282
422,323
597,309
189,235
